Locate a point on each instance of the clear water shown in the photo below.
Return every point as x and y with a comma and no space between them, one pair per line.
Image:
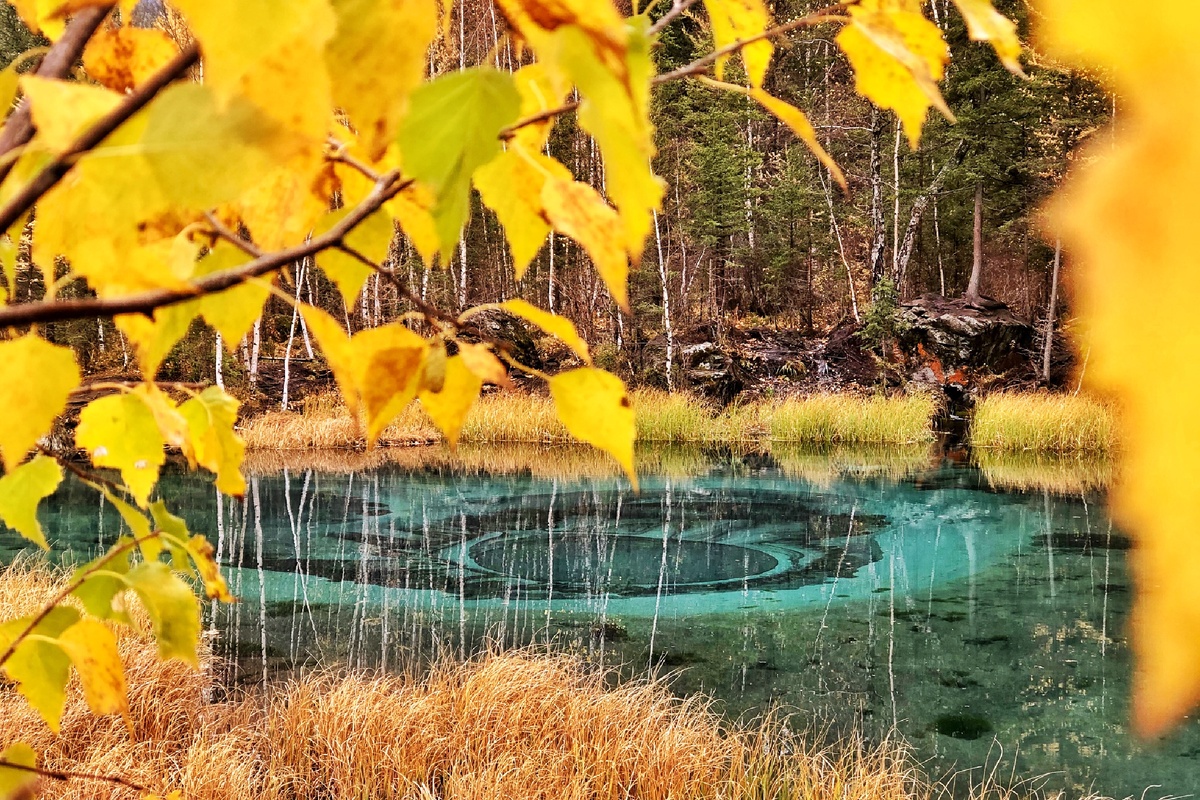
987,627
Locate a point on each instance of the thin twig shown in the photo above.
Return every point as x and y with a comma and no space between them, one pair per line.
827,14
18,129
222,231
53,172
66,775
96,566
337,152
673,12
146,302
534,119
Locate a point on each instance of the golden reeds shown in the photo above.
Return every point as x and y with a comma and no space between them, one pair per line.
1042,421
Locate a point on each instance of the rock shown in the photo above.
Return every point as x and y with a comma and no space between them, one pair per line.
711,370
959,335
519,335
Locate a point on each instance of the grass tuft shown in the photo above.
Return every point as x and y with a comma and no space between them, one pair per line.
1045,422
849,419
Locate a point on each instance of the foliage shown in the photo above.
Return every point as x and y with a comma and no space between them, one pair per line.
882,322
310,128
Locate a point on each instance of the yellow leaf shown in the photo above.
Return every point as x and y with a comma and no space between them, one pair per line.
480,360
448,407
154,337
387,372
18,783
1132,243
8,261
120,431
92,648
38,665
898,57
335,345
20,492
231,312
122,58
283,206
559,327
737,20
594,407
795,119
64,109
579,211
376,59
413,209
371,238
204,557
615,110
171,424
540,90
151,546
986,24
511,185
212,440
533,19
37,378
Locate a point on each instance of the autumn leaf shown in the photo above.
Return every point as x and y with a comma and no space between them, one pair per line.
482,361
371,239
898,58
448,407
212,441
120,431
22,489
38,665
92,648
122,58
37,377
579,211
986,24
1132,240
16,783
231,312
559,327
735,21
594,407
172,607
62,110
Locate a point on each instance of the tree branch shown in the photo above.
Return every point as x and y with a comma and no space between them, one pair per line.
18,129
677,8
66,775
533,119
53,172
146,302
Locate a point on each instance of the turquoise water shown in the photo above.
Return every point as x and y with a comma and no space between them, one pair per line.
987,627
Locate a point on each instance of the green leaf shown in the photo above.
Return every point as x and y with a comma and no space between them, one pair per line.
173,609
139,527
20,492
211,416
17,783
175,535
120,431
92,648
38,665
595,408
99,591
451,130
37,378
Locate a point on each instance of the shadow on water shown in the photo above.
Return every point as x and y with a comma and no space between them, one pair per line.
869,590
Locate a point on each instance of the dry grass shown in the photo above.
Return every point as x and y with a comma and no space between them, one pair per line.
1029,471
843,418
1046,422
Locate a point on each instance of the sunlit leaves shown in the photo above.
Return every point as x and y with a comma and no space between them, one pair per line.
172,608
233,311
120,431
370,240
22,489
594,407
483,362
986,24
211,440
559,327
15,782
37,378
122,58
447,407
92,648
735,21
64,109
579,211
38,665
376,59
898,57
511,185
451,130
1128,223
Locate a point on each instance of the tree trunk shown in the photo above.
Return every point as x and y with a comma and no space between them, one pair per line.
1049,344
218,360
972,295
878,224
918,212
666,305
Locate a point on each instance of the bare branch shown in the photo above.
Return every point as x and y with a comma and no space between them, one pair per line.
53,172
677,8
66,775
146,302
18,130
533,119
337,152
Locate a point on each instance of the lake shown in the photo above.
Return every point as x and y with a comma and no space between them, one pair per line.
867,591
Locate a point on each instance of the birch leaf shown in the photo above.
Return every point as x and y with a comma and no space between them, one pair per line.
62,110
451,130
120,431
559,327
579,211
511,186
898,57
172,607
92,648
335,345
213,442
233,311
986,24
370,238
122,58
448,408
18,783
1136,277
737,20
37,377
795,119
594,407
483,362
388,362
22,489
40,667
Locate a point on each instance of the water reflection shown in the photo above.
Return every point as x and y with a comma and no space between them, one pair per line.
906,595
